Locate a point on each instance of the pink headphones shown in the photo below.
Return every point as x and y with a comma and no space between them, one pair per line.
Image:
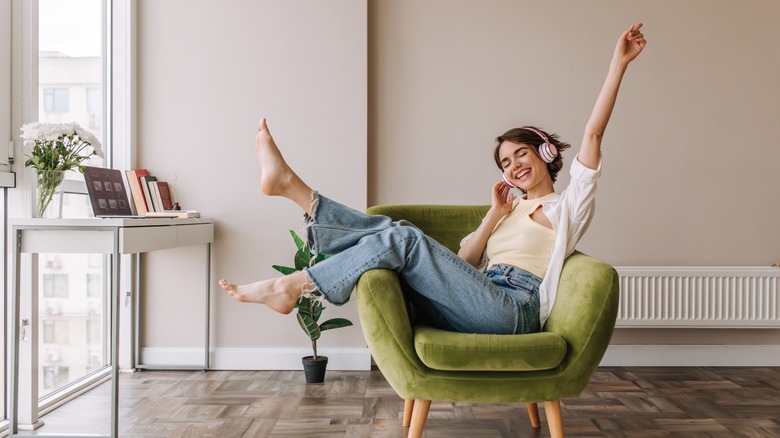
547,151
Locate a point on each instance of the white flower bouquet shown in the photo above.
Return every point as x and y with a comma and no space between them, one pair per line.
56,148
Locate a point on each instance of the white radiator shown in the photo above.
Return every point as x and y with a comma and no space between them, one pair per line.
734,297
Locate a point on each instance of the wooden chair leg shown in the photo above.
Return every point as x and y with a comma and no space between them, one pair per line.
419,415
408,406
552,410
533,413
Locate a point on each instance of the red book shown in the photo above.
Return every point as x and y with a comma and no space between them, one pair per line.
165,195
134,181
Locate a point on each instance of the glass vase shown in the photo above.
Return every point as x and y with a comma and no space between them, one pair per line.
48,202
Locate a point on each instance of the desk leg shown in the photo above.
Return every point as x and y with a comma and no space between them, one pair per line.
135,310
208,302
23,405
115,300
13,389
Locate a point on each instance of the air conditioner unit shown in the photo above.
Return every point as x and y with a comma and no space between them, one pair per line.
53,309
52,356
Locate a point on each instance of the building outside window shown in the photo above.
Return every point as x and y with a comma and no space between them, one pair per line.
56,100
72,303
55,285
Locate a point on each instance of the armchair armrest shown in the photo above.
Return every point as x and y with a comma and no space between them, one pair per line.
584,313
387,328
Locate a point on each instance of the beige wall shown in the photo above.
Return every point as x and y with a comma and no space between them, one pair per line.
208,70
691,159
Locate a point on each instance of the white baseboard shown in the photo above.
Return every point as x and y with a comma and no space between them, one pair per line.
339,359
359,359
692,356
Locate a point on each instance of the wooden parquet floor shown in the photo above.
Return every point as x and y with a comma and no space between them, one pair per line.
618,402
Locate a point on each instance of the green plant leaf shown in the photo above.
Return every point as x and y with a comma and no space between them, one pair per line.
309,326
298,241
335,323
286,270
302,258
316,310
304,305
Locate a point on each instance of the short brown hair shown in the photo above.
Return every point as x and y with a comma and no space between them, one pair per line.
524,135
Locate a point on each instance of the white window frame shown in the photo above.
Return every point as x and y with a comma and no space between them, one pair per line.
7,178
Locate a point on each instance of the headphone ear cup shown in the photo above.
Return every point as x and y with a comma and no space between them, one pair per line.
548,152
506,180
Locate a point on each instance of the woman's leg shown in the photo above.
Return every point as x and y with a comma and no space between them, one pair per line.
462,298
331,226
278,179
459,297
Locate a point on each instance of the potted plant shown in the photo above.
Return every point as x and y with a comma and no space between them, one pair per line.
309,309
56,148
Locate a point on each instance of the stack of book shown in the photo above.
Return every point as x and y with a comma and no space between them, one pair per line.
152,197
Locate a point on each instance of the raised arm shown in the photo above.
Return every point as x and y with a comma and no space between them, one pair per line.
629,46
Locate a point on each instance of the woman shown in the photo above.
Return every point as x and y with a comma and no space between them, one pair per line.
525,242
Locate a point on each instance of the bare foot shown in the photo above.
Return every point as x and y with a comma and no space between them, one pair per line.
277,175
278,178
280,294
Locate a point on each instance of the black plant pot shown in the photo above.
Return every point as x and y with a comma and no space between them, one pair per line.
314,370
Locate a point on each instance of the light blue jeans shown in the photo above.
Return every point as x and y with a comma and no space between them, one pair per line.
453,294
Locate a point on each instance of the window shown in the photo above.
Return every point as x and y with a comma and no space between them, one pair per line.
55,285
55,376
56,100
94,286
94,332
64,74
55,331
94,100
72,72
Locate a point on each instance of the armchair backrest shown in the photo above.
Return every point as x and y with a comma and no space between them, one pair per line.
448,224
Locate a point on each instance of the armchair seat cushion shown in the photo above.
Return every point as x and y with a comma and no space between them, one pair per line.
450,351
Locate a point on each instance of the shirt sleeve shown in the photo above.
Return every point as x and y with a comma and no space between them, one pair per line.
483,261
579,197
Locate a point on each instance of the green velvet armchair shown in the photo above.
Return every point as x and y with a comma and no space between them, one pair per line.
423,363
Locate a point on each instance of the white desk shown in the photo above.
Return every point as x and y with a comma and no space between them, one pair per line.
116,237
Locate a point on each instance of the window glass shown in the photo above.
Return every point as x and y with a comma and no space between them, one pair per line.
71,314
70,66
56,100
55,285
71,286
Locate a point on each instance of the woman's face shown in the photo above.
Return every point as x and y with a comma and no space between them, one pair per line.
522,165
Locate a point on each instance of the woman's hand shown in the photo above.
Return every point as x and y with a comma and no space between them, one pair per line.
503,198
474,246
630,44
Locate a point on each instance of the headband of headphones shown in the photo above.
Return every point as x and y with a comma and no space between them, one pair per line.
547,150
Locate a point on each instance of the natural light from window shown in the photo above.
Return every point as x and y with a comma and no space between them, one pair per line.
71,286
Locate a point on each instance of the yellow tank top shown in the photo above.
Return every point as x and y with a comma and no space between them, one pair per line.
520,241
